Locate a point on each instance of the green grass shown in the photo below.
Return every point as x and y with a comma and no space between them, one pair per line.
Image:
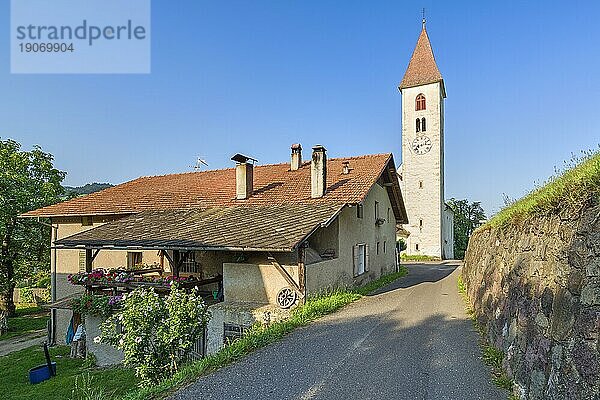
418,257
260,336
15,384
381,282
27,320
490,355
569,192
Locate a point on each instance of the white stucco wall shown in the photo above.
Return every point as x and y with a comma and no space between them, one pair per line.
244,314
106,355
423,174
257,283
352,230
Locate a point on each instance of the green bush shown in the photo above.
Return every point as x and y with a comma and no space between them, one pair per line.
156,334
26,295
95,304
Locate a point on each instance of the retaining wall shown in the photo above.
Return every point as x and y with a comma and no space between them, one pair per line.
535,287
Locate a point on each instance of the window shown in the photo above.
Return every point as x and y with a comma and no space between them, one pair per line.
420,184
384,246
360,255
423,126
376,210
377,249
134,258
359,211
232,332
418,125
86,221
420,102
188,262
417,247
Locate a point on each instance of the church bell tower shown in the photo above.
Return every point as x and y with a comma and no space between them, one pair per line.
422,171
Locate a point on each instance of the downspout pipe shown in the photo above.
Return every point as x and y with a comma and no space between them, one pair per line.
54,237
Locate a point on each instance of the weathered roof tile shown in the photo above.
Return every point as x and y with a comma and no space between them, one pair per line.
262,228
274,184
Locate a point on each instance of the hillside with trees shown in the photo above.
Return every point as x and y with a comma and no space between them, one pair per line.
74,191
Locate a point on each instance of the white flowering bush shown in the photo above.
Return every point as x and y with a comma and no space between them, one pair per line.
156,333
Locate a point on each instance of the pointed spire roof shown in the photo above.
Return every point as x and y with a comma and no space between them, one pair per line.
422,68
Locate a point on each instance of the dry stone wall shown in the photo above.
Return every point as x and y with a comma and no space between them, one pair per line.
535,288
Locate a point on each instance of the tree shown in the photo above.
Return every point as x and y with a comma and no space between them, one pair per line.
28,180
467,217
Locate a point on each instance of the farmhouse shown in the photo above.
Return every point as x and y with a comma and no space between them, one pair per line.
257,239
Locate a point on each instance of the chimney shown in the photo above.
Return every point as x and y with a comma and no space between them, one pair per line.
318,172
244,176
346,167
296,157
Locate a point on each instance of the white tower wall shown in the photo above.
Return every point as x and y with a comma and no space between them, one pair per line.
423,174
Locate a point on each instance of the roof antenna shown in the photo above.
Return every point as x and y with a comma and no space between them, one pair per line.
199,163
423,12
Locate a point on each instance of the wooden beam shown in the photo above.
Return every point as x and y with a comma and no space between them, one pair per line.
302,274
89,259
176,263
166,254
288,278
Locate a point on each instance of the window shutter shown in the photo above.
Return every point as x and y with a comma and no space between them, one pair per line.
82,261
366,257
355,259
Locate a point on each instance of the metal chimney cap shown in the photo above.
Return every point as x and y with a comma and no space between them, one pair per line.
319,147
242,159
296,146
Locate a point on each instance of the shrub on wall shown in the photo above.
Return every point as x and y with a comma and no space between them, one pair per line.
96,304
156,334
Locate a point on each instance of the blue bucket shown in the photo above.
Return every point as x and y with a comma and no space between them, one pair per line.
40,373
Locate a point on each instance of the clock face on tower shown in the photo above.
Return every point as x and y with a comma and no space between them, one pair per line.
421,145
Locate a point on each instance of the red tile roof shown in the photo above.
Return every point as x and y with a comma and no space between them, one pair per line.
273,185
422,68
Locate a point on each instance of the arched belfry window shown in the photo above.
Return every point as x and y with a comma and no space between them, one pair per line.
420,102
423,125
418,125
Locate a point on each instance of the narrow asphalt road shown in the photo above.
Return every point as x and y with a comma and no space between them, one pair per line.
409,340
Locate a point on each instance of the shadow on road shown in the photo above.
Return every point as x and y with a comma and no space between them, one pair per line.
419,273
436,358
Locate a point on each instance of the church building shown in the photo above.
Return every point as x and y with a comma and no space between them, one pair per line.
430,228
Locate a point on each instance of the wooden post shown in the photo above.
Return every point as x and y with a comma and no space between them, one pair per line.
176,263
301,274
89,259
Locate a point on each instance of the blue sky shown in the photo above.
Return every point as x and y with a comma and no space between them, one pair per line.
254,77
